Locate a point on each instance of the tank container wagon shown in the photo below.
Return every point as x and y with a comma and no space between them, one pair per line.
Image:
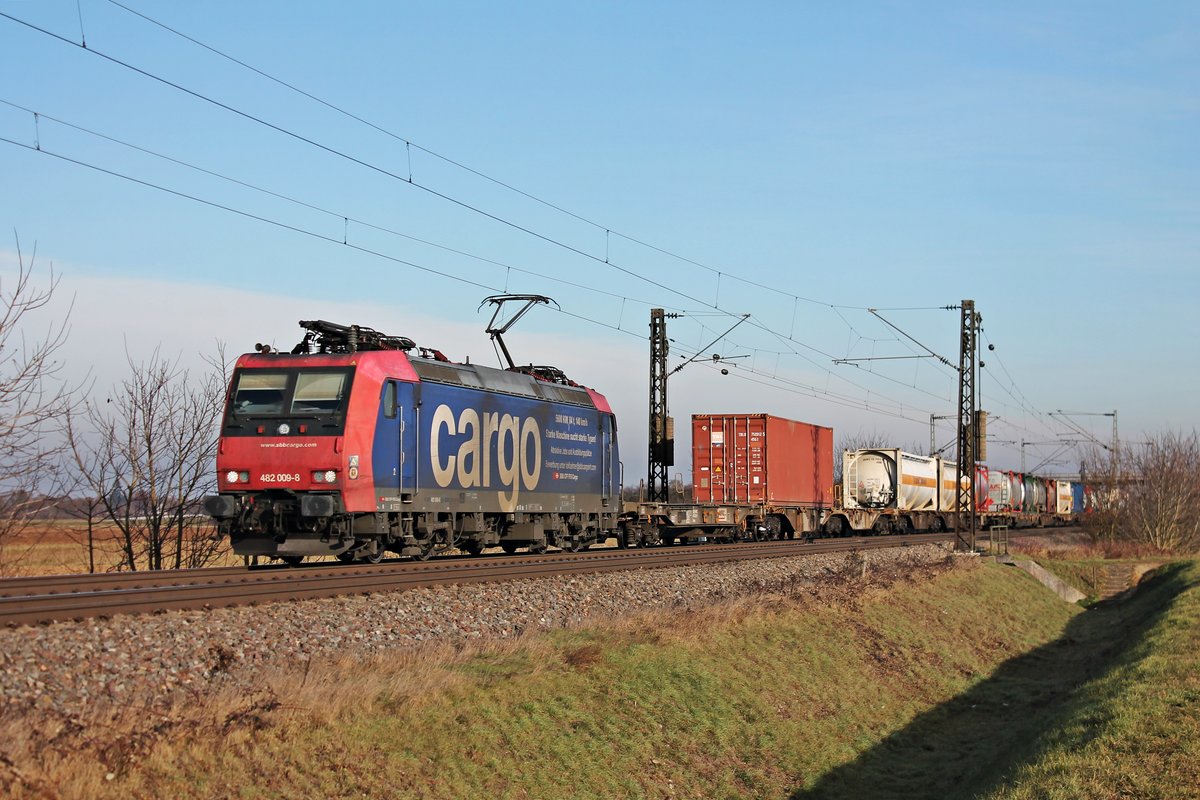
357,443
887,490
754,476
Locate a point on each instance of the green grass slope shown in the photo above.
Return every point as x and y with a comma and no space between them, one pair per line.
965,683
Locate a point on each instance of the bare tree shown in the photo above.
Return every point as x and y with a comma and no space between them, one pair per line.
1148,494
1104,498
1162,494
148,454
32,396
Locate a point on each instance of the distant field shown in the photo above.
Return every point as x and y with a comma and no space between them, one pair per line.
59,547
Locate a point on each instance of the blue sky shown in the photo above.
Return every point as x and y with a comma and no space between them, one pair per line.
798,162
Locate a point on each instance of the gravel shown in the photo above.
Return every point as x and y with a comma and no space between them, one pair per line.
67,668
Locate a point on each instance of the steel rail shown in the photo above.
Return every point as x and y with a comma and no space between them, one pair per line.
202,589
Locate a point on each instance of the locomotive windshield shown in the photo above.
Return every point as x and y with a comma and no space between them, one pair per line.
288,393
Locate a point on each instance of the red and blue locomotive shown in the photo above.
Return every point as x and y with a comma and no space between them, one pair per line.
357,443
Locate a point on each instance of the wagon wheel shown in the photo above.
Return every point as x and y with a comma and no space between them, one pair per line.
425,549
374,556
834,526
774,528
537,548
471,547
292,561
509,547
573,545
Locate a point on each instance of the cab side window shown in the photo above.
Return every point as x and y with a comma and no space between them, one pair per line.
389,400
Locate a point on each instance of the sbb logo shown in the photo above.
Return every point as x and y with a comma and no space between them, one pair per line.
517,445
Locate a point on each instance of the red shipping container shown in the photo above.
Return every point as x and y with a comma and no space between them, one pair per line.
746,459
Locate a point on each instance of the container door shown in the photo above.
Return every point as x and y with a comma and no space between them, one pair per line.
754,467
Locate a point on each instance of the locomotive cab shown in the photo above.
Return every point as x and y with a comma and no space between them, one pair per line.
280,465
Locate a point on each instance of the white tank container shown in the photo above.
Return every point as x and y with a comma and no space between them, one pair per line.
1066,497
889,478
947,496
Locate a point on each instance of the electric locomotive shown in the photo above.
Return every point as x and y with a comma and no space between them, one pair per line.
357,443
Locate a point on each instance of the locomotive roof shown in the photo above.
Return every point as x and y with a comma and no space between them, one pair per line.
499,380
445,372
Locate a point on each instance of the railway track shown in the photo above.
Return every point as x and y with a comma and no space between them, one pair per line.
68,597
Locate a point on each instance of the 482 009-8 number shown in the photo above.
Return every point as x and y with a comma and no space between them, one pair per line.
280,477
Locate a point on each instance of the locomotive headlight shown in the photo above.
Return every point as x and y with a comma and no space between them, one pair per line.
231,476
284,429
324,476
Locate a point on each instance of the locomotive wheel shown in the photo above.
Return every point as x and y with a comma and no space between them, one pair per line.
374,556
537,548
346,557
472,547
509,547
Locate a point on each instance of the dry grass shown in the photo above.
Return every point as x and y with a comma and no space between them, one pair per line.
929,684
107,752
59,547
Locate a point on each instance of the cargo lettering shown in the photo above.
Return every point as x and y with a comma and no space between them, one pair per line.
517,445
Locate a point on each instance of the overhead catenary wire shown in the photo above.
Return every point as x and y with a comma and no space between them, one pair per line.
784,384
366,164
335,214
607,229
388,173
346,219
608,232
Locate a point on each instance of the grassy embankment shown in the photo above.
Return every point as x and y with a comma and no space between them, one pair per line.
975,682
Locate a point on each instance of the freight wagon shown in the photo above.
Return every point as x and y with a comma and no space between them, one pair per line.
754,476
886,490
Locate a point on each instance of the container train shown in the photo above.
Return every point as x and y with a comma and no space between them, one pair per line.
357,443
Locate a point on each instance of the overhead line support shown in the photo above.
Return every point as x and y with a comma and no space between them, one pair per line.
967,417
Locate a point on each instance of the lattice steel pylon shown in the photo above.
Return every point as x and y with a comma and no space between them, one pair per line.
661,447
964,504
